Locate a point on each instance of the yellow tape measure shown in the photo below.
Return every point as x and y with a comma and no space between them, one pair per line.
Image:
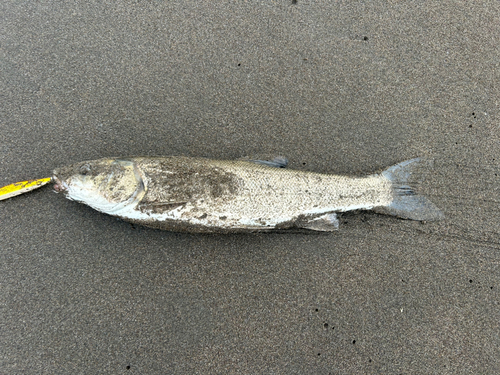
22,187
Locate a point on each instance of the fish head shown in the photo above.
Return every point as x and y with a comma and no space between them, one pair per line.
105,184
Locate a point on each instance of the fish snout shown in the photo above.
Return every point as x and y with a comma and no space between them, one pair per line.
59,186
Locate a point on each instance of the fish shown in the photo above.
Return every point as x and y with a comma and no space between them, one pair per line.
198,195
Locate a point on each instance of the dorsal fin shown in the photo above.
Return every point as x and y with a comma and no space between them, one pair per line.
277,162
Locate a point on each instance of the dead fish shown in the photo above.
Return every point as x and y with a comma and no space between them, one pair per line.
202,195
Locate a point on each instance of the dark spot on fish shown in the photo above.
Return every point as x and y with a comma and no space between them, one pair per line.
128,367
239,64
179,179
365,38
353,342
223,217
325,325
203,216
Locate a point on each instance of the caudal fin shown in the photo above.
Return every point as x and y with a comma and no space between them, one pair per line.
406,203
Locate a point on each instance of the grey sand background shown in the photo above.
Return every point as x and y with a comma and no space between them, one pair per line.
338,87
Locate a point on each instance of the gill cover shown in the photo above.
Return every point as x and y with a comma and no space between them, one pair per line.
106,185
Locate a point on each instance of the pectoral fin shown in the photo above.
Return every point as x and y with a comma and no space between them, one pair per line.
323,223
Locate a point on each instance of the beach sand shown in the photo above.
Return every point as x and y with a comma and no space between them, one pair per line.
336,87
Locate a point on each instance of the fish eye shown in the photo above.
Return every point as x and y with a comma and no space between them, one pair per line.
85,169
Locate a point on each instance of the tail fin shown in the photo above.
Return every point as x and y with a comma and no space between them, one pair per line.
406,204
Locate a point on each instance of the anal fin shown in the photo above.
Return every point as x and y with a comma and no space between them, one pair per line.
323,223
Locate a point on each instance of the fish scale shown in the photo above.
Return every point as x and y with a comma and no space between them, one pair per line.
294,191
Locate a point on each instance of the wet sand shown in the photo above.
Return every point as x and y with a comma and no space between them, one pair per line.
336,88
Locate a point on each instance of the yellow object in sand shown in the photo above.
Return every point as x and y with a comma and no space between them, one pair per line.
22,187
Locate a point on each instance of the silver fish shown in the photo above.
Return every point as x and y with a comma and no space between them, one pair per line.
202,195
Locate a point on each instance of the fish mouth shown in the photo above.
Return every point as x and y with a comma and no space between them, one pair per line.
59,186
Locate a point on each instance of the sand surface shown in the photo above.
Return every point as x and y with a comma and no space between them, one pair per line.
337,87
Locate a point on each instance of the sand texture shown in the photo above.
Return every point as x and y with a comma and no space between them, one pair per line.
336,87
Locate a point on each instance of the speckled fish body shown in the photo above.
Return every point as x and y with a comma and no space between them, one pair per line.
203,195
